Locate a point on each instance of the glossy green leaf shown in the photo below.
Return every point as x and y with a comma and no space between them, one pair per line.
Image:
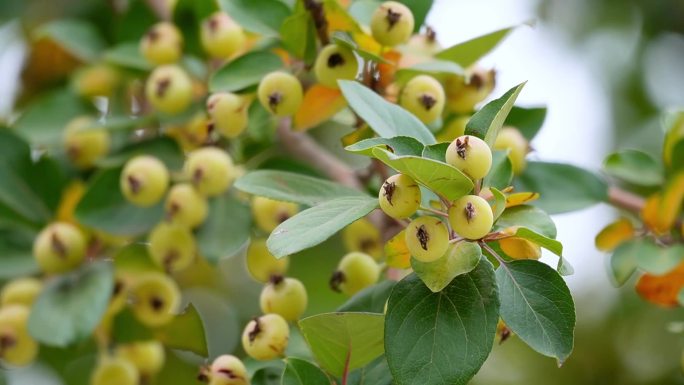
386,119
299,36
487,122
340,340
527,120
77,37
302,372
371,299
438,69
226,229
646,255
460,258
188,15
501,173
530,217
635,167
436,152
375,373
445,337
498,204
467,53
564,267
419,9
245,71
16,254
399,145
537,306
259,16
127,55
316,224
69,307
184,332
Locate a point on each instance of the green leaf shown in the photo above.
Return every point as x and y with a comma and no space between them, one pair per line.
16,254
343,39
460,258
499,203
399,145
623,261
548,243
438,69
439,177
375,373
436,152
127,55
537,306
635,167
386,119
501,173
226,229
445,337
527,120
135,258
677,156
164,148
487,122
530,217
419,9
316,224
245,71
69,307
563,187
648,256
259,16
104,208
371,299
185,332
293,187
467,53
299,36
303,372
77,37
189,14
340,340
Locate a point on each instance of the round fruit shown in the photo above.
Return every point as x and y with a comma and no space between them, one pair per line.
453,129
471,155
21,291
266,337
399,196
363,236
221,36
114,371
156,299
119,297
427,238
171,246
423,96
392,24
228,112
335,62
228,370
59,247
210,169
17,347
463,95
262,265
144,180
280,93
269,213
84,142
355,272
185,206
169,89
471,217
96,80
511,139
285,297
146,356
162,44
425,44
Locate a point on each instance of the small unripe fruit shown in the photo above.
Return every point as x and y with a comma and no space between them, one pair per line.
511,139
280,93
471,217
392,24
210,170
85,143
355,272
269,213
114,371
471,155
228,370
144,180
453,129
171,246
261,264
162,44
399,196
156,299
59,247
169,89
21,291
119,297
146,356
363,236
185,206
425,44
423,96
427,238
96,80
221,36
462,96
284,296
266,337
228,113
17,347
335,62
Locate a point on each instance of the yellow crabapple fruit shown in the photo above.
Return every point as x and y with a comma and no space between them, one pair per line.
96,80
185,206
144,180
228,112
463,94
510,138
85,142
114,371
471,155
59,247
20,291
427,238
280,93
355,272
266,337
156,299
17,347
269,213
228,370
471,217
453,129
334,63
363,236
162,44
221,36
392,23
147,356
261,264
399,196
423,96
284,296
172,246
169,89
210,170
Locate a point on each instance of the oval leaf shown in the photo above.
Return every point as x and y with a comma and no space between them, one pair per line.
469,52
399,145
487,122
227,216
320,104
244,72
635,167
460,258
302,372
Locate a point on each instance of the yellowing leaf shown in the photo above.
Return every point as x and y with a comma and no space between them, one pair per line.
338,18
387,70
518,248
70,197
358,135
671,203
397,253
614,235
320,104
367,43
521,198
662,290
650,214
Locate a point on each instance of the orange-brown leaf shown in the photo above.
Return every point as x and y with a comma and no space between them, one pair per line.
662,290
671,202
614,234
320,104
650,214
397,253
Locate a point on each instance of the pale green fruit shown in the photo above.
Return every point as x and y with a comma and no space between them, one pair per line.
210,170
96,80
471,155
162,44
453,129
471,217
21,291
269,213
228,112
185,206
147,356
427,238
169,89
510,138
355,272
144,180
392,24
423,96
17,347
221,36
334,63
262,265
114,371
266,337
171,246
228,370
280,93
85,143
59,247
363,236
399,196
464,94
156,299
284,296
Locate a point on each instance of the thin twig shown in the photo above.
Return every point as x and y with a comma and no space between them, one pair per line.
625,199
436,212
320,22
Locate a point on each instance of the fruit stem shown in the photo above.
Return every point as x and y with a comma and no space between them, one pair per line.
436,212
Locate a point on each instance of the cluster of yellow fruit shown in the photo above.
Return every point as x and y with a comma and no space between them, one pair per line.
130,364
17,347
